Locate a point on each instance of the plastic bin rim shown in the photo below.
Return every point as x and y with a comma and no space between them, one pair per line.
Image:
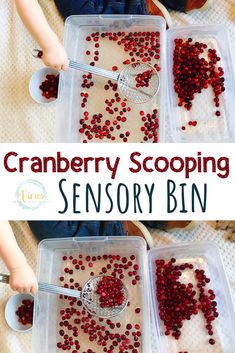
95,239
116,17
197,26
193,245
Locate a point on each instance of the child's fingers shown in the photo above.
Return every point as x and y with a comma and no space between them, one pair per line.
19,289
23,289
65,66
51,64
59,67
27,290
47,63
34,289
14,288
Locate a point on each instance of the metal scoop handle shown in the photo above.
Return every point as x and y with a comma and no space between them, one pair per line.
49,288
94,70
37,53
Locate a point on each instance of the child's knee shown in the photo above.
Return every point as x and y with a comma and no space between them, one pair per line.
95,7
52,229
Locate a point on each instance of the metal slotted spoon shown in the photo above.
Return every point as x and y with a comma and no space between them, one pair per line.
88,296
126,79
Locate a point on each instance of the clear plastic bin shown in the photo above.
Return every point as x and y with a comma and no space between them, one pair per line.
50,268
69,110
210,128
194,337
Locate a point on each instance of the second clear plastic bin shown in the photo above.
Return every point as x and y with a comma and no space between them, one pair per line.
209,128
194,338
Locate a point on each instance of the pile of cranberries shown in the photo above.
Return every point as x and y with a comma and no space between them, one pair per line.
25,312
195,68
110,291
143,78
78,329
49,86
110,123
179,301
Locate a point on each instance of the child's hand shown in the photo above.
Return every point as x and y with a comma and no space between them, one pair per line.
23,279
55,56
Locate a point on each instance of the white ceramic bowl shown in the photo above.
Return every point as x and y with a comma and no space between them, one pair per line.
37,78
10,312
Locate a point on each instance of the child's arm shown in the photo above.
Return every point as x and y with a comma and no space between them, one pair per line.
22,277
34,20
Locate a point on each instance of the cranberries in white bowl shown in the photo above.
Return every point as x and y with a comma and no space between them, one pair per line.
43,85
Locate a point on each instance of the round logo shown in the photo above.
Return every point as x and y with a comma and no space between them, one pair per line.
31,194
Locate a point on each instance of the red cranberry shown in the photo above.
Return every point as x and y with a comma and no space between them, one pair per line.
192,73
143,79
49,87
211,341
111,292
25,312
